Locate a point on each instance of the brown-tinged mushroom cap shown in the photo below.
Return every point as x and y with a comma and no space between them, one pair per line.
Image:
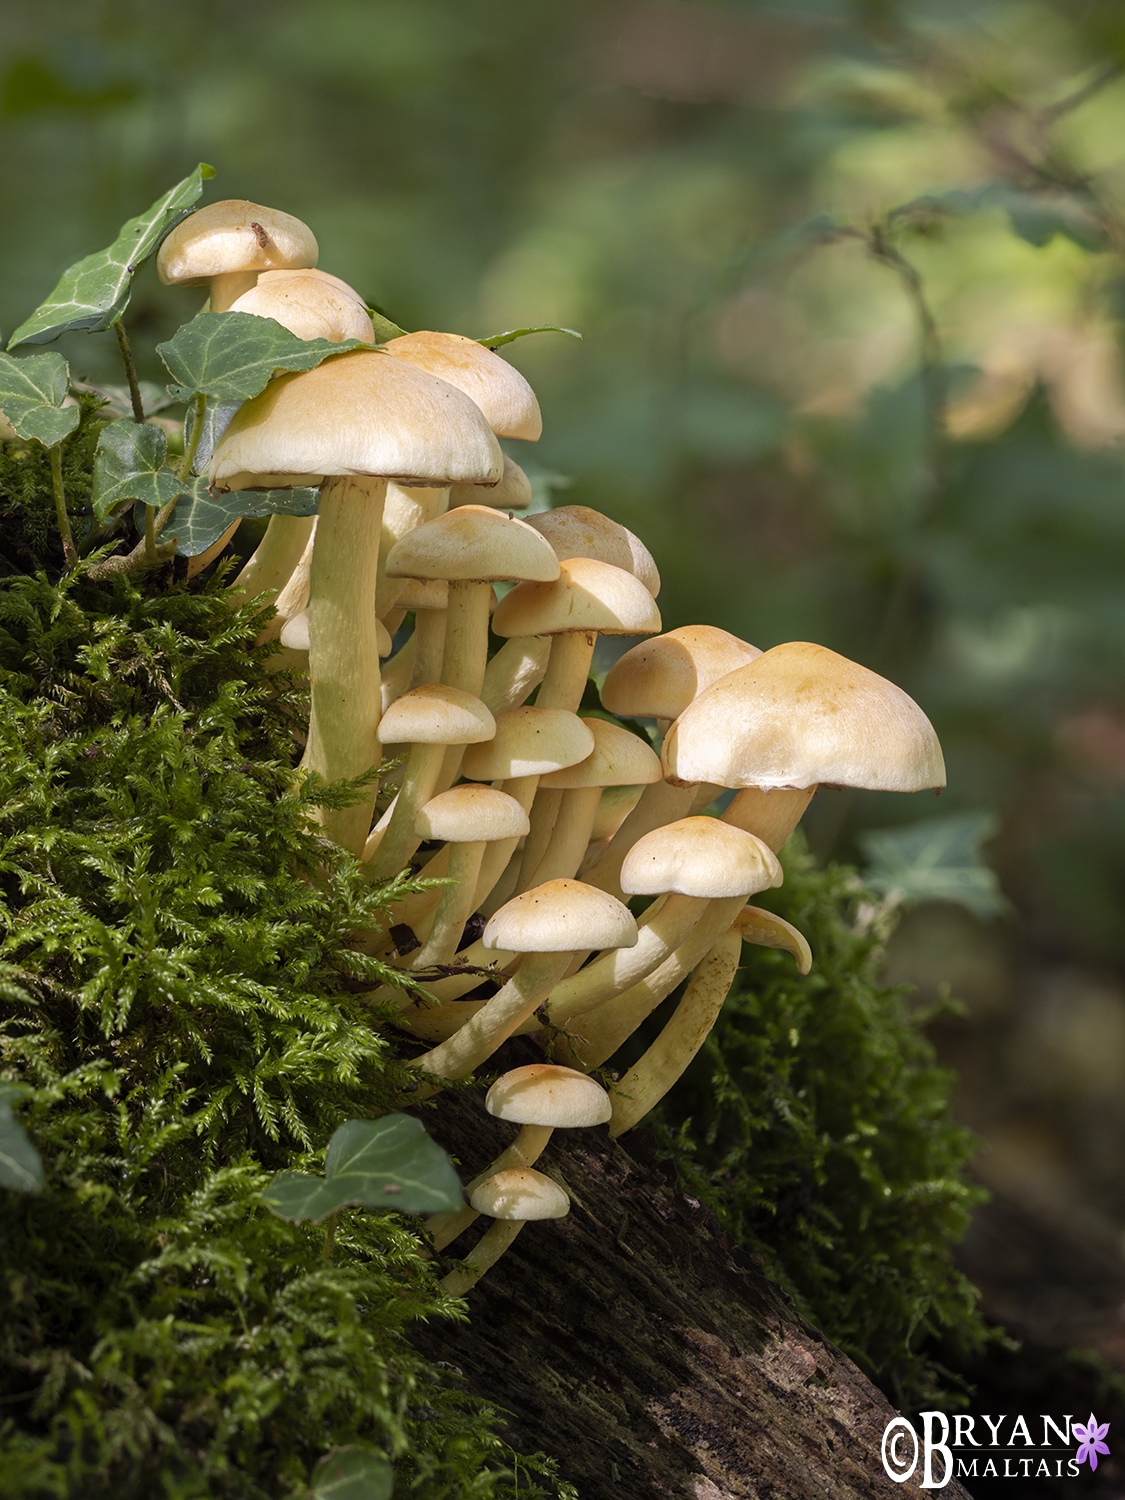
357,413
661,676
497,387
520,1193
547,1094
801,715
231,242
578,531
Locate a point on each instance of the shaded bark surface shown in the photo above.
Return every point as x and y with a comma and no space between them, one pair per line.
640,1347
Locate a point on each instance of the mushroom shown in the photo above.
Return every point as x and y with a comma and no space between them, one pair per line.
351,423
542,1098
228,244
798,717
548,925
513,1198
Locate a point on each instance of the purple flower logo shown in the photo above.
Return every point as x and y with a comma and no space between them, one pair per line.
1091,1441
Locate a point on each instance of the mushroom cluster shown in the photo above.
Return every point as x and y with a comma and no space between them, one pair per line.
542,824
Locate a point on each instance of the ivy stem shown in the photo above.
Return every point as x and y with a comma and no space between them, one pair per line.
130,370
330,1238
197,428
150,533
70,552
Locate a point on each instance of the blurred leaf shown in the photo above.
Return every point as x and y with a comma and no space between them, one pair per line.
129,465
352,1474
231,356
387,1163
518,333
119,403
20,1164
1034,215
200,518
94,292
938,859
32,392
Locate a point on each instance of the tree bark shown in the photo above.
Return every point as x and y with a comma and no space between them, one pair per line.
635,1343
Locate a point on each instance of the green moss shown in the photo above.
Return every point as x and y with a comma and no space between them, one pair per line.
816,1126
179,997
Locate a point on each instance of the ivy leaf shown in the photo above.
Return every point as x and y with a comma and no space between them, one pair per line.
129,465
200,518
94,292
518,333
352,1473
938,859
384,328
20,1165
387,1163
231,356
32,392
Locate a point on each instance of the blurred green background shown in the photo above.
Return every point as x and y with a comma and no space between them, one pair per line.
850,284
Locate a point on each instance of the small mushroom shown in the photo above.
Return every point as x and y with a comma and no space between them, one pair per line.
513,1198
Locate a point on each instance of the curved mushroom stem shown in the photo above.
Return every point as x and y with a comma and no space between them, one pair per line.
455,906
485,1253
771,815
277,554
524,1151
495,1022
514,672
344,648
645,1084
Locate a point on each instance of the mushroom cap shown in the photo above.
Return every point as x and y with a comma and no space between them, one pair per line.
311,304
661,676
699,857
512,493
617,759
497,387
578,531
520,1193
436,715
547,1094
473,542
799,716
587,595
233,235
357,413
768,930
529,741
471,814
561,916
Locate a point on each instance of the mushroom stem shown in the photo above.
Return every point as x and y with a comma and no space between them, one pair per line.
514,672
568,667
772,815
454,907
660,803
344,648
495,1022
524,1151
277,554
645,1084
485,1253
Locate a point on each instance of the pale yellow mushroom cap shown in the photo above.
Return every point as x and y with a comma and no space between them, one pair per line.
799,716
587,595
520,1193
529,741
547,1094
497,387
471,814
436,715
699,857
311,304
357,413
661,676
233,235
560,916
473,542
617,759
578,531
